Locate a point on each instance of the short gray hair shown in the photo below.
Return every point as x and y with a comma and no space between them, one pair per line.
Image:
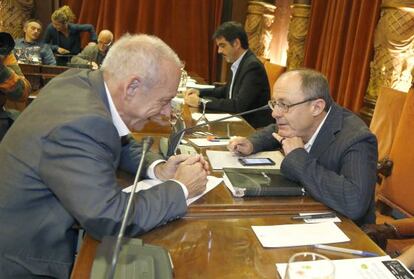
138,54
315,85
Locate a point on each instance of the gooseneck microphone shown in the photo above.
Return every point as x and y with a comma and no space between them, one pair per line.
175,139
146,145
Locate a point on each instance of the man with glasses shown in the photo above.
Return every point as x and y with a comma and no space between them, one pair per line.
328,149
93,55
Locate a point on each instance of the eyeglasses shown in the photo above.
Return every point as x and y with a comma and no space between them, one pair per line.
105,45
284,108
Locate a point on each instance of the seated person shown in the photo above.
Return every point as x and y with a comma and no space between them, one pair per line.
93,55
248,88
63,35
328,150
59,160
13,85
30,49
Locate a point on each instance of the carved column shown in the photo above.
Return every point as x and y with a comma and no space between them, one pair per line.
258,25
298,29
13,13
393,61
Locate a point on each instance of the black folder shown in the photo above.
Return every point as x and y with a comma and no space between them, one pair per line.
261,182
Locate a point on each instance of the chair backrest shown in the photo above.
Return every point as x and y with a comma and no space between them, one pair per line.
397,190
273,72
385,119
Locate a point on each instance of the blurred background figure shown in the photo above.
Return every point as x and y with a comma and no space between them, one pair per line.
64,36
30,49
93,55
13,85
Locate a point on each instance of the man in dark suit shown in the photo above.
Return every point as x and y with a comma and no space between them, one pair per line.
328,149
248,87
59,160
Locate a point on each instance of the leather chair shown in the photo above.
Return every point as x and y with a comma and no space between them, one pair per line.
396,191
273,72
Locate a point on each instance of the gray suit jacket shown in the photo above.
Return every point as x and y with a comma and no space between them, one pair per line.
340,170
58,165
88,54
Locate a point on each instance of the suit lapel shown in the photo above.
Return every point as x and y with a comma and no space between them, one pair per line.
236,82
326,135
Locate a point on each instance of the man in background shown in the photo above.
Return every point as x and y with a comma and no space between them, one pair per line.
248,87
30,49
59,160
328,150
93,55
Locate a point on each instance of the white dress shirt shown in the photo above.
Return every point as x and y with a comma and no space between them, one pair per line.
234,68
309,144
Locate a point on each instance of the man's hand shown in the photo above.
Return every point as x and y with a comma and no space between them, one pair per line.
94,66
63,51
191,97
193,174
240,146
168,169
289,144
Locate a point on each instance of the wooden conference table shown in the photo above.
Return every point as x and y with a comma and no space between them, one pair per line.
215,239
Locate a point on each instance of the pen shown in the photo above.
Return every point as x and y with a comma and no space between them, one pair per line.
213,138
315,216
346,250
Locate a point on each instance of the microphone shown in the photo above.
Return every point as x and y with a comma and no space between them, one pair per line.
175,139
146,144
138,260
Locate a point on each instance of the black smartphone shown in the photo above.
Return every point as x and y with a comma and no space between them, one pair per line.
256,161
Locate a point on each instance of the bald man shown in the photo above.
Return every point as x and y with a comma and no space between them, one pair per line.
93,55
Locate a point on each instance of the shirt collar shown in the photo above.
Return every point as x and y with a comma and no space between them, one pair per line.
236,63
309,144
116,118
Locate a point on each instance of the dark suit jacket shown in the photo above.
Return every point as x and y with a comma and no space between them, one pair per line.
250,91
58,165
340,170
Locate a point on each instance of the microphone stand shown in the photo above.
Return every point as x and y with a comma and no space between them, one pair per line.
147,142
176,138
136,260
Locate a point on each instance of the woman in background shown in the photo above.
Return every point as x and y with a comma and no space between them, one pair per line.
63,35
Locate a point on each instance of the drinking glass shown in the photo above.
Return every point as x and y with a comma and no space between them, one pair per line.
203,117
307,265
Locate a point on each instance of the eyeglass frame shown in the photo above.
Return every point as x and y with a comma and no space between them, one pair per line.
273,104
105,45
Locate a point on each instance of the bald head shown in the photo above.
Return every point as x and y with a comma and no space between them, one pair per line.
105,39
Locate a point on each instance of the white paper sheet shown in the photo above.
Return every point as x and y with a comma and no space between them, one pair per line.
215,116
145,184
191,84
204,142
360,268
299,234
226,159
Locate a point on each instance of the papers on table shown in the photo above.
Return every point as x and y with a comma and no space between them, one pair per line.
226,159
192,84
366,268
149,183
204,142
215,116
299,234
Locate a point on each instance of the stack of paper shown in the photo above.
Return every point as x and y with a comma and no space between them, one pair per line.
145,184
226,159
204,142
299,234
364,268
